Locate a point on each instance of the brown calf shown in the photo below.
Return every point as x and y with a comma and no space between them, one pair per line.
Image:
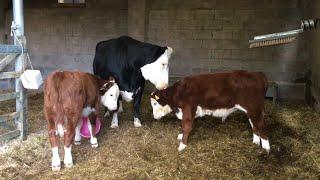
67,97
217,94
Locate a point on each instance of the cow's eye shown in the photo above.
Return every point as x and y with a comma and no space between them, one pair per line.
111,94
155,103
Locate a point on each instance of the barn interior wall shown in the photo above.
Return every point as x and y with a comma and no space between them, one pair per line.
212,35
315,59
64,37
206,35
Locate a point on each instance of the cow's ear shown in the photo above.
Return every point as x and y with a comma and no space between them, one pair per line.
111,79
102,90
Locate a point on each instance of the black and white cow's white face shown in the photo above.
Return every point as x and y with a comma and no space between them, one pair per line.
158,72
159,110
109,95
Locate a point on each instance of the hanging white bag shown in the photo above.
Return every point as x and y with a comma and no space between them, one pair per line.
31,79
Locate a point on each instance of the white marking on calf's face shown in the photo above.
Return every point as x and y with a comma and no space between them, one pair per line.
110,97
158,110
158,72
127,96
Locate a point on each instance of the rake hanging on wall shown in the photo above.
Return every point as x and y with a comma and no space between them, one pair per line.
283,37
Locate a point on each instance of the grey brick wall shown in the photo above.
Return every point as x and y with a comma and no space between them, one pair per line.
212,35
65,38
206,35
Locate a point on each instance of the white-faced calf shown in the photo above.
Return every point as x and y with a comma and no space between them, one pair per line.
67,97
219,95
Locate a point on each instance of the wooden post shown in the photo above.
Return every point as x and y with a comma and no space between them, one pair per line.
19,39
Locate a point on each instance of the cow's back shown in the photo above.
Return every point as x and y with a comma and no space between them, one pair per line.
65,88
222,90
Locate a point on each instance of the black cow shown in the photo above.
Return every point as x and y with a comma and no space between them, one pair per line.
131,62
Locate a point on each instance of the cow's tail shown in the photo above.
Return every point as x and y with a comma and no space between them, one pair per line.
56,103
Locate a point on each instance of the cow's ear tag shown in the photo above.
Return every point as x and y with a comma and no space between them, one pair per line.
157,97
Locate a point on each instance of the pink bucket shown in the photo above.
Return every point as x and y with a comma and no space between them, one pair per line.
84,131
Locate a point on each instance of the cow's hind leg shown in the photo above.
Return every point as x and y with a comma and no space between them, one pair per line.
69,136
136,106
54,141
77,137
258,125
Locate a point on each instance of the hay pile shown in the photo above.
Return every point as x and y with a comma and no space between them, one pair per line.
215,149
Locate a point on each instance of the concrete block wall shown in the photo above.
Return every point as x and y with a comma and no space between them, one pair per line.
65,38
206,35
212,35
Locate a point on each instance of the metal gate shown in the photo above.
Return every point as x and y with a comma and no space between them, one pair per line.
16,53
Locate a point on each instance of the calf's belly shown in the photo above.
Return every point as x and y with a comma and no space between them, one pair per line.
222,112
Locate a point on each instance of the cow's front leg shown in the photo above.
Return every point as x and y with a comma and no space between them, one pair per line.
136,106
187,121
93,139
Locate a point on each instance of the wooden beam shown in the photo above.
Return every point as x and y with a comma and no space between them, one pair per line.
8,75
8,96
8,117
9,135
6,49
7,60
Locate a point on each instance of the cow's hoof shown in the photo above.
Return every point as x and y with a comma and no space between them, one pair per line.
56,168
95,145
113,126
180,136
77,142
256,139
94,142
137,122
181,147
265,145
68,165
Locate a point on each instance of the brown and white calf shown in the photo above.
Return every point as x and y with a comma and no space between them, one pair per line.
67,97
219,95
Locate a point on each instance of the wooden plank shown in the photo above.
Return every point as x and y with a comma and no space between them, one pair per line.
8,75
7,60
8,96
8,117
9,135
6,49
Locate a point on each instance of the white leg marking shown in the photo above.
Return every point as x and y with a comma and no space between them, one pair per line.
256,139
55,163
265,144
93,140
250,123
120,107
114,122
68,157
107,114
180,136
224,118
240,108
136,122
77,137
181,146
60,130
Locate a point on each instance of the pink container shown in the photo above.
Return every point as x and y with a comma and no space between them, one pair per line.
84,131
